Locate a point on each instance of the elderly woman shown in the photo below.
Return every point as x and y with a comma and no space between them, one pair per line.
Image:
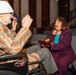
62,50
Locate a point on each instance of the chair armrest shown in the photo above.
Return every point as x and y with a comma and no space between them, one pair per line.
11,57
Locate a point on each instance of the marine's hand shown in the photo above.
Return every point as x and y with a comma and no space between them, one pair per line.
14,23
26,21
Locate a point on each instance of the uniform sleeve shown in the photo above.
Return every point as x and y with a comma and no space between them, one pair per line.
14,46
13,34
20,40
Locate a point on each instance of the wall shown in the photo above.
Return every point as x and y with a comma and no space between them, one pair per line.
24,8
72,4
38,13
16,7
74,43
53,9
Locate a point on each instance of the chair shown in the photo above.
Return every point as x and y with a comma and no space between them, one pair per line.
72,68
14,68
6,72
38,71
73,65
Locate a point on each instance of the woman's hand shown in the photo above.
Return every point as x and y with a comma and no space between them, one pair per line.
14,23
26,21
54,32
51,44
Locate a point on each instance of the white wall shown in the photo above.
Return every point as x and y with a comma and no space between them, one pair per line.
16,7
24,8
53,10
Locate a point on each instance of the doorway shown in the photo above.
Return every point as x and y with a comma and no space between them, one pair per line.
45,13
64,8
